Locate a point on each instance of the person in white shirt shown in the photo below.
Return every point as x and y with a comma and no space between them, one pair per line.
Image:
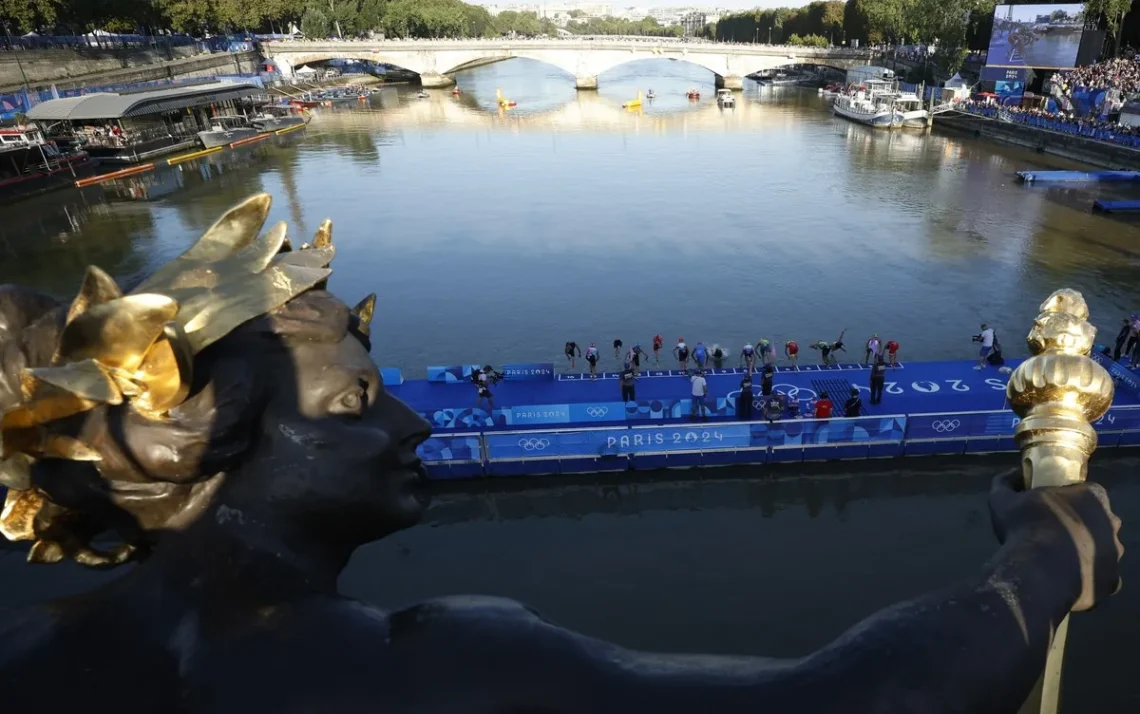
700,391
987,340
874,349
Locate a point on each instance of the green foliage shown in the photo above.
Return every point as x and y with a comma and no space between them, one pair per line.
824,19
808,41
614,26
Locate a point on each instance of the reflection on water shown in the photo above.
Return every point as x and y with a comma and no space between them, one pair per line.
498,235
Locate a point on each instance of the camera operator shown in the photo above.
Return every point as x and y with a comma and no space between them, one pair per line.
986,337
483,379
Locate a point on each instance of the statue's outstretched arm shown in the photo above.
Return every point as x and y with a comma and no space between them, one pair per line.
977,647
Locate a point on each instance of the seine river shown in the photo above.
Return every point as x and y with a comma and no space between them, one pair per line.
497,236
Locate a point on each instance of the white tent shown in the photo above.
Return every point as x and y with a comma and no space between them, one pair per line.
956,89
307,71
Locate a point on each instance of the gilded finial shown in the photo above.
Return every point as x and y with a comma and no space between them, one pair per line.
1058,392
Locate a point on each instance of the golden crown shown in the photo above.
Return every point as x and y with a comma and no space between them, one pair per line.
138,349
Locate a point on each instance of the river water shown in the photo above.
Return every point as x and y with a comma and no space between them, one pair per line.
497,236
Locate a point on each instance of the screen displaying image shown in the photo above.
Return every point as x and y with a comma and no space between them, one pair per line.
1043,36
1009,93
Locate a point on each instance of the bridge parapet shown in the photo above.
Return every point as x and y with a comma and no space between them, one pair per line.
585,59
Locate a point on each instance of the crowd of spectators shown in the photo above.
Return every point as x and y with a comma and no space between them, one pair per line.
1122,74
1092,128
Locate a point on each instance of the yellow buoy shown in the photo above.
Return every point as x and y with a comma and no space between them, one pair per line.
634,103
504,103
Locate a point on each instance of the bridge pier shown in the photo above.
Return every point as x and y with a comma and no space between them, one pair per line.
586,82
733,82
436,81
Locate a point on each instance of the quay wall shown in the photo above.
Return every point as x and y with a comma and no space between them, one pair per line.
72,69
1068,146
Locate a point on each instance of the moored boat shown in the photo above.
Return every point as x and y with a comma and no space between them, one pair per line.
226,130
872,104
275,118
725,99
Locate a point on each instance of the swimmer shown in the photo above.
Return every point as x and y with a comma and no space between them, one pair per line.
892,352
700,355
791,351
617,349
570,349
748,357
719,355
658,343
634,357
592,358
681,352
874,349
765,348
826,348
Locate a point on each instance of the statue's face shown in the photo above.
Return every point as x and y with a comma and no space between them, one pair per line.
338,453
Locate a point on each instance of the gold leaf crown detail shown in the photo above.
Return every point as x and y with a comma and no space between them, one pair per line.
138,348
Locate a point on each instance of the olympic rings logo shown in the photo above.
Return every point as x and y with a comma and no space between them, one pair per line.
945,425
794,392
597,411
533,444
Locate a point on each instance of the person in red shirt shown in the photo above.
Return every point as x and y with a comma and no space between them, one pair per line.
658,343
791,349
892,350
823,407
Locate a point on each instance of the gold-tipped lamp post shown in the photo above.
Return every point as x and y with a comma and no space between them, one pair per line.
1058,393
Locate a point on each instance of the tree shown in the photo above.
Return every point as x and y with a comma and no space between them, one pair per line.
23,16
315,23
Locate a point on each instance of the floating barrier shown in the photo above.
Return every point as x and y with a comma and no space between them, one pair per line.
193,155
288,129
250,140
142,168
1116,206
1077,176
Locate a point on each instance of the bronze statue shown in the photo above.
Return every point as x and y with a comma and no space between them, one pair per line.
224,422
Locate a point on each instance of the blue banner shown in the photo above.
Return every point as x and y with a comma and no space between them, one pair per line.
451,374
696,437
1119,419
529,372
513,446
391,376
960,426
806,432
451,447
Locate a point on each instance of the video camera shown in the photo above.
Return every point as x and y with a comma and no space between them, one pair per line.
493,375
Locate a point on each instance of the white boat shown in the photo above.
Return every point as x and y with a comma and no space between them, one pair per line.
725,99
226,130
878,103
273,118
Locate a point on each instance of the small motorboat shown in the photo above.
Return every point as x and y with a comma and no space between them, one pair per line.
724,99
422,94
650,94
693,94
226,130
504,103
456,92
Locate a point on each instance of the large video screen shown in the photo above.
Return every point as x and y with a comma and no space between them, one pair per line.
1042,36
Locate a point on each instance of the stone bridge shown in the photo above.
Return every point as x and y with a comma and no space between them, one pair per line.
437,60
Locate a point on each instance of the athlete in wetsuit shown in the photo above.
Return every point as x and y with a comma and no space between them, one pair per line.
892,352
570,350
617,349
658,343
634,357
681,352
719,355
700,355
592,358
791,351
874,349
765,348
748,357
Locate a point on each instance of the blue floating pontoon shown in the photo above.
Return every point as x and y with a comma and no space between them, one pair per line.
1116,206
1077,176
549,423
